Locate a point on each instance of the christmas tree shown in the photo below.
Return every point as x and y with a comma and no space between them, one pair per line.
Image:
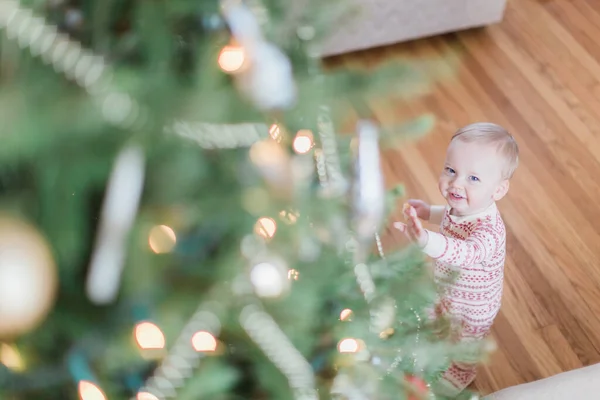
182,217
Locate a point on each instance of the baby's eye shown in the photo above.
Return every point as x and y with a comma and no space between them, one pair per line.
449,170
473,178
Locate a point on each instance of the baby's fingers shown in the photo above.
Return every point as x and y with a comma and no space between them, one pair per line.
404,228
401,226
416,224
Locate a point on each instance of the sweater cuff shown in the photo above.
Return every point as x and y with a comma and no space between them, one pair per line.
436,245
436,214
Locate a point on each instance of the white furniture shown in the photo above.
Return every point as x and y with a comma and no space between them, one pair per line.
383,22
581,383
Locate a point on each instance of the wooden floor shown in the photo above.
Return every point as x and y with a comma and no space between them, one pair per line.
538,74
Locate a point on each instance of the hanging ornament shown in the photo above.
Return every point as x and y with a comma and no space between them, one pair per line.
264,74
118,213
368,187
368,191
268,82
28,277
418,390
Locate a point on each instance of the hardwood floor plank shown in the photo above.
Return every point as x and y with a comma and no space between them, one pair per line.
588,11
552,335
538,17
497,373
512,343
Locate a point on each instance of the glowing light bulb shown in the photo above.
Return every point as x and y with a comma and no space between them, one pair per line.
346,314
149,336
386,333
203,341
265,227
288,217
162,239
293,274
10,357
348,346
232,58
275,132
303,141
268,280
89,391
145,396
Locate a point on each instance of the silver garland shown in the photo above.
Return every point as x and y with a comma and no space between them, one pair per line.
265,332
182,359
336,182
92,74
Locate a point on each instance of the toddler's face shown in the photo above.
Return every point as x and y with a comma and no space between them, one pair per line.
472,177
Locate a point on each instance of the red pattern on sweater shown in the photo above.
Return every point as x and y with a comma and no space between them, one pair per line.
474,248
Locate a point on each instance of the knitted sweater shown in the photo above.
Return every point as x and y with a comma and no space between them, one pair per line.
474,248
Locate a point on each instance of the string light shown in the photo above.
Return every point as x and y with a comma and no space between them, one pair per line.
346,314
265,227
162,239
386,333
293,274
289,217
232,58
348,345
149,336
146,396
303,142
10,357
203,341
275,132
179,364
89,391
268,280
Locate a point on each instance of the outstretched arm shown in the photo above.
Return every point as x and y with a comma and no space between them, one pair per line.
481,244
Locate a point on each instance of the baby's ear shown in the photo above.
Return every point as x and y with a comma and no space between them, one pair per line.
501,190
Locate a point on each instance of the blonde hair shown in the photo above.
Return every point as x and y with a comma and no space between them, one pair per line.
490,133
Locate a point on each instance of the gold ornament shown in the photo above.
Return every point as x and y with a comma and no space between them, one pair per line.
28,277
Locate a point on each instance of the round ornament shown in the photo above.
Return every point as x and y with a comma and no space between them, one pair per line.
419,384
28,277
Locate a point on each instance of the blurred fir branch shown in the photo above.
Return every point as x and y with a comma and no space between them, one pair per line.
57,156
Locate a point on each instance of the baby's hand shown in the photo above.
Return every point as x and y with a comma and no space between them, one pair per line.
423,209
413,228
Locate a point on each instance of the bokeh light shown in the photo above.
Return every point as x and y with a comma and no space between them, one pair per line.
265,227
346,314
232,58
203,341
348,345
303,142
162,239
149,336
89,391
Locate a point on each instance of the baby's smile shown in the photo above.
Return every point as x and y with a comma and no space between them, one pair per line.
456,196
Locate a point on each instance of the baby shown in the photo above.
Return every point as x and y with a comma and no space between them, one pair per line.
480,161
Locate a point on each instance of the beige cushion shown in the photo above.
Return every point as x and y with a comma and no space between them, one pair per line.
582,383
384,22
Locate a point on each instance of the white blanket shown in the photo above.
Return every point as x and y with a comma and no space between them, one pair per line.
582,383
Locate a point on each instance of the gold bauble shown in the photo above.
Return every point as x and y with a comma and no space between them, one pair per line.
28,277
